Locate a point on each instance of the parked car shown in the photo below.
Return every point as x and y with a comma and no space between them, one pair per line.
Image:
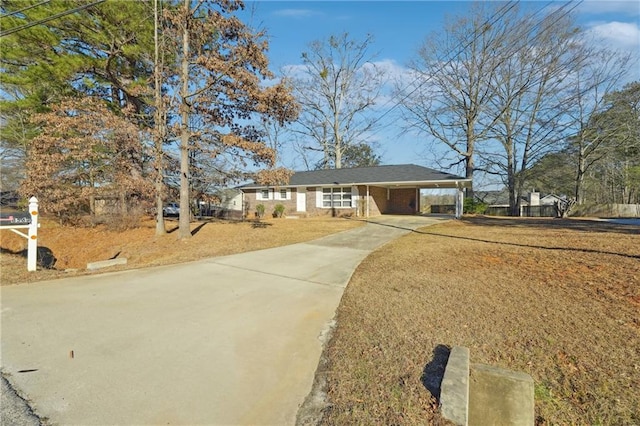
171,209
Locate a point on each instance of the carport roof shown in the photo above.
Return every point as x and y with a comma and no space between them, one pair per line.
390,176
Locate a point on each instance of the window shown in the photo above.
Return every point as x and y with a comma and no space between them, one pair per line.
263,194
336,197
283,194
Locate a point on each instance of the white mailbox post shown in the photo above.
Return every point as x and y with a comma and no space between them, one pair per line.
29,221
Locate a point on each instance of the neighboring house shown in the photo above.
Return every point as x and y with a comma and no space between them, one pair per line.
496,200
532,204
231,203
231,199
551,199
224,203
363,191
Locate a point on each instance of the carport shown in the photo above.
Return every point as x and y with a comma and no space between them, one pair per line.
404,197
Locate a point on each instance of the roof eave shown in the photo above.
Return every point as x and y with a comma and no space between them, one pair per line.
450,183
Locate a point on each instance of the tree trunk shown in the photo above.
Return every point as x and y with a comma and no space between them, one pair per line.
92,195
469,167
579,186
337,142
158,131
580,177
184,228
514,205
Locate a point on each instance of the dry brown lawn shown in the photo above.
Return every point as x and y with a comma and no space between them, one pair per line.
74,247
556,299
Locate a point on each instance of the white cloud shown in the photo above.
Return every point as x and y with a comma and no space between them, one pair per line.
620,35
296,13
295,71
391,68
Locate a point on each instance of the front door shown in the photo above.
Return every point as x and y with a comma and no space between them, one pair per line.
301,200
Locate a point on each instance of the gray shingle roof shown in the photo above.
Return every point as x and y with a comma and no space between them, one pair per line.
403,173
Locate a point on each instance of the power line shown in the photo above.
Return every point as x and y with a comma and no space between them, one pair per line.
50,18
555,16
460,48
15,12
487,24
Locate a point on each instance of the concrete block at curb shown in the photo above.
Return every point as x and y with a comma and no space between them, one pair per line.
499,396
106,263
454,390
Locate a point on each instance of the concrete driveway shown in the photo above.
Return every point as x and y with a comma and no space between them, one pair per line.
229,340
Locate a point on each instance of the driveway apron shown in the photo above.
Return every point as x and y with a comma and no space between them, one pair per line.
228,341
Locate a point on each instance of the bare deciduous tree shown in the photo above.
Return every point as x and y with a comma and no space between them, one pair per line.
530,97
337,89
451,89
499,88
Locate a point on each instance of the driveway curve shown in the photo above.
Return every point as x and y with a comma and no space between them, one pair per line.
231,340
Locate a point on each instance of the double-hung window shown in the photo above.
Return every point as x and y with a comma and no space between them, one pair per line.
336,197
283,194
263,194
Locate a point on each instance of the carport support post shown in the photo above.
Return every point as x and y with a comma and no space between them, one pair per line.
459,203
367,201
32,238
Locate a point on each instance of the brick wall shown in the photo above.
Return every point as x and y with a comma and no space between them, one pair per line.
403,201
251,198
313,210
377,199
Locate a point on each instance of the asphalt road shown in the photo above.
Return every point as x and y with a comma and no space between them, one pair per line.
230,340
14,410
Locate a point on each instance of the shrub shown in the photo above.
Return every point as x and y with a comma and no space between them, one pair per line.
278,210
474,207
260,210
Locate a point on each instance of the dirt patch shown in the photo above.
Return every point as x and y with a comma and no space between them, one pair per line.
557,299
73,247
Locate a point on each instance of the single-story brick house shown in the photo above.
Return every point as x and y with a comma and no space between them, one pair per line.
362,191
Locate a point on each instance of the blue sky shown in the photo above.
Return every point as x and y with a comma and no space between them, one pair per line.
398,28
